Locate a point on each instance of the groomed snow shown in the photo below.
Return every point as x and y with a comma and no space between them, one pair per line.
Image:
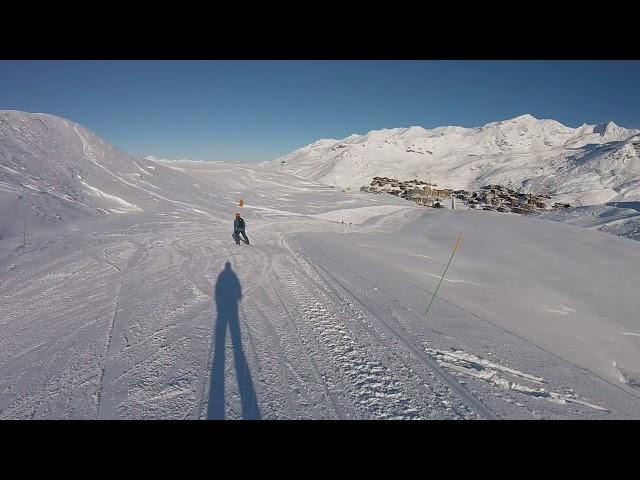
359,215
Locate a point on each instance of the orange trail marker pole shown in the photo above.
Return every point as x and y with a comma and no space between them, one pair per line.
456,246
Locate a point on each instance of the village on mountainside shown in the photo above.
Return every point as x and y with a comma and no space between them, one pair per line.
489,197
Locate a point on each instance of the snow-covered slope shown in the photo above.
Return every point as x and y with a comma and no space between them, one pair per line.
138,314
55,171
617,218
587,165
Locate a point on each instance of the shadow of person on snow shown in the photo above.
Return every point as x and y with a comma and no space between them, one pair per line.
228,294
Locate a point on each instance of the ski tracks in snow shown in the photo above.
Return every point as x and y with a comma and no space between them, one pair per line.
338,364
139,322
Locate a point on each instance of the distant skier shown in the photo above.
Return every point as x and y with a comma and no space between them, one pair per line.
238,228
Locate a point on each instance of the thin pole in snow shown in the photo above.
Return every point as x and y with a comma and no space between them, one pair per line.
24,240
445,271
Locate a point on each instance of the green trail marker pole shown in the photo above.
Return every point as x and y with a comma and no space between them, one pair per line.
445,271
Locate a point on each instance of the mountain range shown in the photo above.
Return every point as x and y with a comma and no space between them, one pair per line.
588,165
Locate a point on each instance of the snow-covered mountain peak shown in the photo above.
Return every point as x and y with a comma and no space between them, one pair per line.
611,132
520,119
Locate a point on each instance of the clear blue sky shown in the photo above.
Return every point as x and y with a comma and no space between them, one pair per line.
258,110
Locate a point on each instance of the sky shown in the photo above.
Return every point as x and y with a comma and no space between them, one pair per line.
250,111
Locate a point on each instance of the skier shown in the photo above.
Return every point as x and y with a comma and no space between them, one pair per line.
238,228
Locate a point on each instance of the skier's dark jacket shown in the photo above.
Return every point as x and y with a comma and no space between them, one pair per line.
238,225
